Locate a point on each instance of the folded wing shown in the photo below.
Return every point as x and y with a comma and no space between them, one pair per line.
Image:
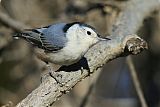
50,38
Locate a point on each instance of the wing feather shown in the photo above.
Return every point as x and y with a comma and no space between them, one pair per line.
47,38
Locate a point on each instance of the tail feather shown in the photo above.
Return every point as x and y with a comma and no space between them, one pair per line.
30,37
17,35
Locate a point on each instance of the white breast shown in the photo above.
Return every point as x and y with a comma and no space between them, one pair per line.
69,54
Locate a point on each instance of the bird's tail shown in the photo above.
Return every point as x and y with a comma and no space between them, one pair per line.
19,35
29,36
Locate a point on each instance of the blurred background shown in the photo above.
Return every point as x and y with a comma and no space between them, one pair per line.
20,70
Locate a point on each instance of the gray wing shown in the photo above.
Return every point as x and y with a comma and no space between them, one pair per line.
50,38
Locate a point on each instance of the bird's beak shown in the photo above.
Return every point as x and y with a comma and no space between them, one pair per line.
100,38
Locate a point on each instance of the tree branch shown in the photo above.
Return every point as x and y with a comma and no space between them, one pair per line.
123,42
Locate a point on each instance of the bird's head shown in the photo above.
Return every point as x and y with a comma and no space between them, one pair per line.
84,33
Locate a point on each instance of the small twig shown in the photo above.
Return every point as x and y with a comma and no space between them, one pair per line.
85,100
8,21
136,82
89,92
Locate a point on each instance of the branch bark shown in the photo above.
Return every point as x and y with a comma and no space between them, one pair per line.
123,42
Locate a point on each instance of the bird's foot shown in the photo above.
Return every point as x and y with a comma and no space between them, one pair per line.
55,75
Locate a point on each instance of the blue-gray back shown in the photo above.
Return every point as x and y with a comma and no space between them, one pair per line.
53,37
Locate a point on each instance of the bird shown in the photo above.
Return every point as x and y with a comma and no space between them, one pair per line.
62,43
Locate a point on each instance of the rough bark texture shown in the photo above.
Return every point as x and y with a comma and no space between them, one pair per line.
123,42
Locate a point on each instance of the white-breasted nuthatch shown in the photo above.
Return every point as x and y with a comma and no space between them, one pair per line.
63,44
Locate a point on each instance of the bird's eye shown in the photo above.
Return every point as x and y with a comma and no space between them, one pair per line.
88,32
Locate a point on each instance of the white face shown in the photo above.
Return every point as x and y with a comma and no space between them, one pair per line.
83,35
87,34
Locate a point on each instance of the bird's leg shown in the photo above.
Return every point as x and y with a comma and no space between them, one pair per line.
42,56
52,71
81,70
52,67
44,75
